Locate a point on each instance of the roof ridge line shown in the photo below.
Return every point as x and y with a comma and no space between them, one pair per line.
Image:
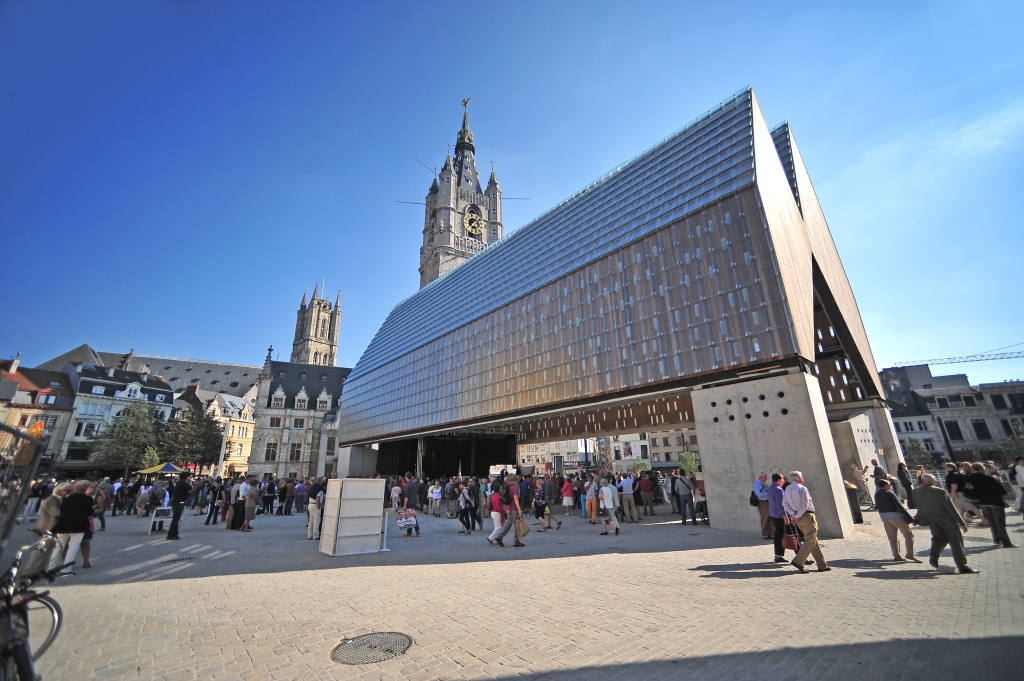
207,361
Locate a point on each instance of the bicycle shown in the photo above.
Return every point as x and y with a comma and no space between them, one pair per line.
865,500
31,566
701,509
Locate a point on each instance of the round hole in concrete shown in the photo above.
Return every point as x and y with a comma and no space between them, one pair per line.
714,404
747,416
764,413
744,400
731,417
785,411
728,401
715,419
782,394
760,397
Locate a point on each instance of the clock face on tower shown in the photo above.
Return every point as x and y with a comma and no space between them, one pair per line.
474,225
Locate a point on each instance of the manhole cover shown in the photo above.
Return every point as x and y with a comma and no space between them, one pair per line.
370,648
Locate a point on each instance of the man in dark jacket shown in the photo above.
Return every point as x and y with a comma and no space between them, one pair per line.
982,489
179,497
936,510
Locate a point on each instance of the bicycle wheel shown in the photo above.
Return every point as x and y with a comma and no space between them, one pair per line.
704,514
44,617
16,661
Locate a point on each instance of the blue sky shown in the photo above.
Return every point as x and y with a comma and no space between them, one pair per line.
155,194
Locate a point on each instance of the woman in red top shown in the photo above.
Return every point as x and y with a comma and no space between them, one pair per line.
496,510
567,496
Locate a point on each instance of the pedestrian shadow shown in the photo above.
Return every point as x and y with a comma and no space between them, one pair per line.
898,574
745,570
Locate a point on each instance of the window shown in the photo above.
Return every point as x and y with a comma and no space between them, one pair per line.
922,425
909,426
618,454
643,451
298,423
897,427
275,421
680,441
300,403
90,429
654,442
953,429
1007,430
159,398
929,445
943,403
969,401
238,452
277,402
664,441
295,453
322,405
330,444
998,401
668,456
23,421
693,440
981,429
271,454
41,399
97,390
78,430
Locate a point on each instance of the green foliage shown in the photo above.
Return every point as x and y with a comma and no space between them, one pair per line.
128,439
150,458
195,438
1013,448
915,454
687,461
641,466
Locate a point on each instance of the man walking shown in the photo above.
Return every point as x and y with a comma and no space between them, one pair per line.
410,494
647,493
625,486
178,499
798,505
987,492
761,490
510,501
936,510
684,492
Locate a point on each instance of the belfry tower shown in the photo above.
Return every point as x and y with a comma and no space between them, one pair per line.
461,218
316,331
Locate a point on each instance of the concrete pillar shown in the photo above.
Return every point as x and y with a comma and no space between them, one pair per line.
420,445
738,442
888,441
359,461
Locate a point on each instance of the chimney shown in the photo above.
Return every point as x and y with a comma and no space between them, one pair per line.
15,363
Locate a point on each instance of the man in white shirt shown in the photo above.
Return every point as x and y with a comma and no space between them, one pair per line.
799,506
1018,486
629,513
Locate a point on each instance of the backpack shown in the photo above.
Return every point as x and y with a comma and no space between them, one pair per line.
753,499
506,495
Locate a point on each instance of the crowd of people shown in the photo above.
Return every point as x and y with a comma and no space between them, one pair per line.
973,490
508,499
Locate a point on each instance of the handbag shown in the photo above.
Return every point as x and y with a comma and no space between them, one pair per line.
753,498
522,527
789,539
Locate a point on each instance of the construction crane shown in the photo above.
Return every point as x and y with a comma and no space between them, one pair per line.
980,357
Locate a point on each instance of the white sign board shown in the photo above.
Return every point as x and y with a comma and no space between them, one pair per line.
352,516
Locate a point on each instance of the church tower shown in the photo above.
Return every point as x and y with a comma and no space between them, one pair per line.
461,219
316,331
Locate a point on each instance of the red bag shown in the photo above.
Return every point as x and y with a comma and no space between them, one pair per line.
789,539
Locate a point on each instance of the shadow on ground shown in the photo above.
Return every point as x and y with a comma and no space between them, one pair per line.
991,659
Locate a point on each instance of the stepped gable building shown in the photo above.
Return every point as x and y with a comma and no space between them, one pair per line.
291,403
316,331
696,285
461,218
28,396
235,415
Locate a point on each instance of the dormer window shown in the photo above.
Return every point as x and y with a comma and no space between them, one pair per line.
278,402
322,405
300,403
97,390
159,398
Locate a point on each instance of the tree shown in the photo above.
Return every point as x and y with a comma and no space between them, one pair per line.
687,461
916,455
1013,449
641,466
195,438
129,437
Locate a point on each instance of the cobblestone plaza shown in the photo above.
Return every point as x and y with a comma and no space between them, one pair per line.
659,601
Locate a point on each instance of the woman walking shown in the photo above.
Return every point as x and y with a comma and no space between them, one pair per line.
496,510
895,519
467,508
567,490
609,499
541,511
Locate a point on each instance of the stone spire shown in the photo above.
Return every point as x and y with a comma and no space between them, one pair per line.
303,304
465,139
315,286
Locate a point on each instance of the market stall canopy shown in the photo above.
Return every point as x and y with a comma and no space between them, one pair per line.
162,468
